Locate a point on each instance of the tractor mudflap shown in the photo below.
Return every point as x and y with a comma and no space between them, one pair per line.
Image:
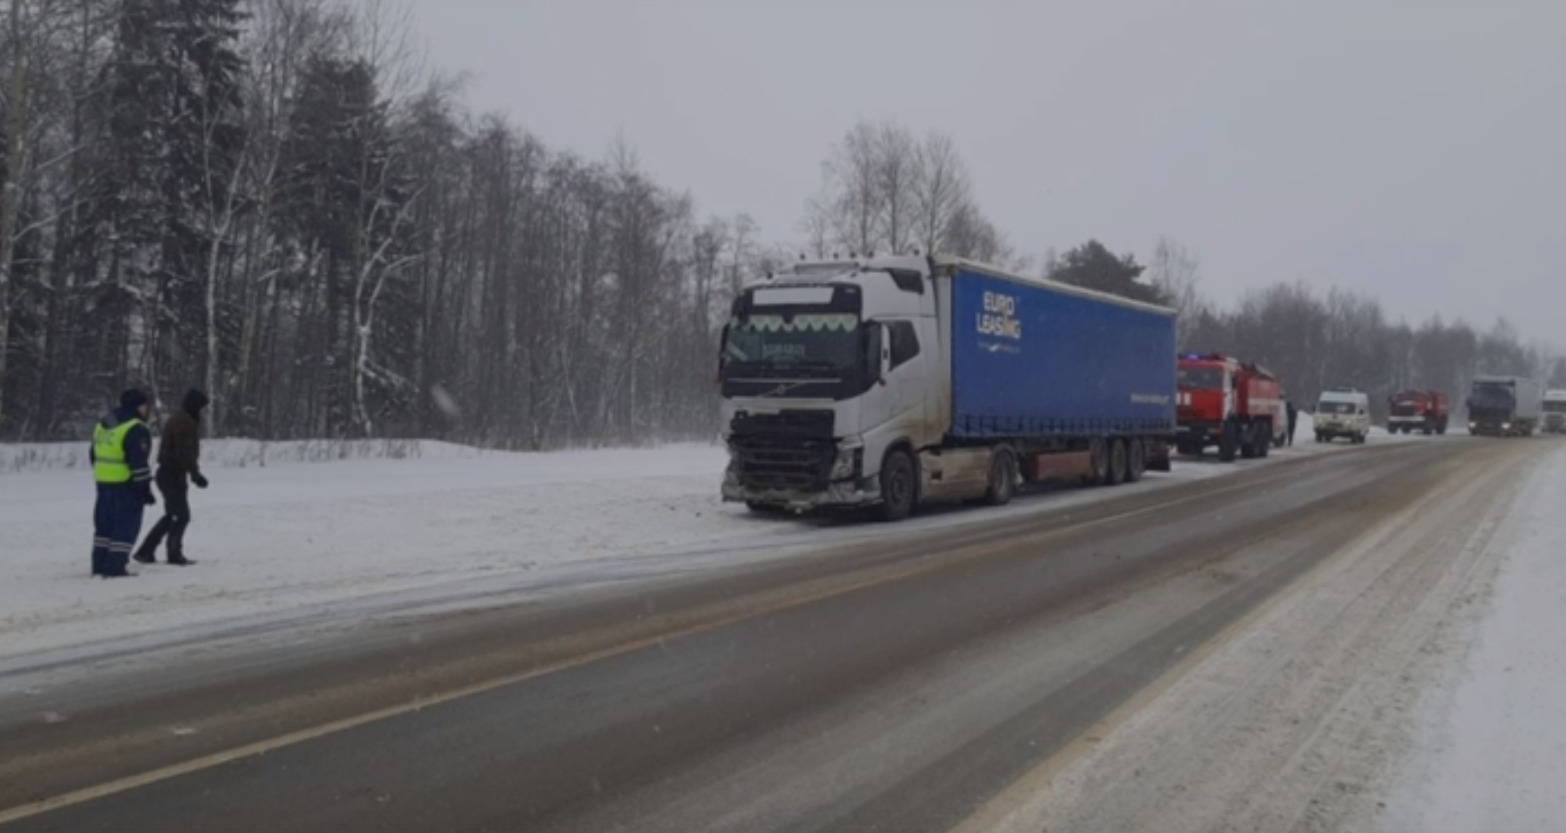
1159,456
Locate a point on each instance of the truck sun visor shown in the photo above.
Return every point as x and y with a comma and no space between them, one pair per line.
790,295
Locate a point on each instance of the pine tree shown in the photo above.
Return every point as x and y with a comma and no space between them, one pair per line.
1093,267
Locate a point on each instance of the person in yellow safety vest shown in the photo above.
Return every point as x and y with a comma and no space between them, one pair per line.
121,445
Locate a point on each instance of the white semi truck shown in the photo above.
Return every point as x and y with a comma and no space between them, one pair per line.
1555,411
886,382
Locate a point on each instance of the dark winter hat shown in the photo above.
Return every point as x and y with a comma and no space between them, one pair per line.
132,399
195,400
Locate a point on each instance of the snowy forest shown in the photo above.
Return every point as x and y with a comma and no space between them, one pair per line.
274,200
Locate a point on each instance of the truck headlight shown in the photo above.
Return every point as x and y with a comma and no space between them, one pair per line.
1472,425
846,466
1506,426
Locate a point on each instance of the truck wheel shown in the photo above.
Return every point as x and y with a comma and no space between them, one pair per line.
1263,448
1320,437
1136,460
1229,442
1003,478
1117,463
899,486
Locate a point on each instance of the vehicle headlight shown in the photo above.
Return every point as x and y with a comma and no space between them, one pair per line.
1506,426
847,463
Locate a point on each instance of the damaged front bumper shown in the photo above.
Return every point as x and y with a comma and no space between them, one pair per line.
845,494
838,481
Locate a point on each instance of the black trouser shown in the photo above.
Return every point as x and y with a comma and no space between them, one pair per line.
176,516
116,521
1292,423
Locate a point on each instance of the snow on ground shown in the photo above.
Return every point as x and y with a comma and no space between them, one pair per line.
1492,752
383,527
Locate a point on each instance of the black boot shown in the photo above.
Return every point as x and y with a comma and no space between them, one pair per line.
180,561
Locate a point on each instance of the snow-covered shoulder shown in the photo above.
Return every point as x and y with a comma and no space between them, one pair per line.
1492,752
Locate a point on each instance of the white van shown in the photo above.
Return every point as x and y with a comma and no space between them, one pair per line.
1343,412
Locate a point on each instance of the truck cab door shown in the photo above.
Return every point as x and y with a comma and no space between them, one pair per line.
898,403
907,369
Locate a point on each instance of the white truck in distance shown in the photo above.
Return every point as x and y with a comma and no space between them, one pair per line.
885,382
1555,411
1505,406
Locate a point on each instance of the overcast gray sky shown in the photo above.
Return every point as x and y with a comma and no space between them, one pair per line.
1412,150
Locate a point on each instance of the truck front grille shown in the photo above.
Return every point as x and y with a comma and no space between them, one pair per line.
778,463
801,424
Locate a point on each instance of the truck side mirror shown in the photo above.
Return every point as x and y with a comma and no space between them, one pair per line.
876,353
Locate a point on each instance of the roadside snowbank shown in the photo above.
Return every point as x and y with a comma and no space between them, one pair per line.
216,454
1492,752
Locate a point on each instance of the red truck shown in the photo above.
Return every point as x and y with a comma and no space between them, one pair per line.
1417,410
1234,405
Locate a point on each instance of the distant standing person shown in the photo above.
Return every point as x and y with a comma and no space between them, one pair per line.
1294,418
179,465
120,446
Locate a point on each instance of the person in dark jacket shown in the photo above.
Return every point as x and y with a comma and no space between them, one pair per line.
1294,418
121,444
179,465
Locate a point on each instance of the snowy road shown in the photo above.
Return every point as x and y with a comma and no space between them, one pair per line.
1252,652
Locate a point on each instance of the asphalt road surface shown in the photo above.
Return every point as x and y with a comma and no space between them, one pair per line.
915,683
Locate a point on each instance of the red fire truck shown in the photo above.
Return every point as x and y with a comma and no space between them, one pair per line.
1417,410
1234,405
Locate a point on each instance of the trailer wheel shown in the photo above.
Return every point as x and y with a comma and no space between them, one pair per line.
899,486
1229,442
1098,452
1136,460
1117,463
1003,478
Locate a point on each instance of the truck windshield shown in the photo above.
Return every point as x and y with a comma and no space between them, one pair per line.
1556,406
807,346
1201,378
1335,408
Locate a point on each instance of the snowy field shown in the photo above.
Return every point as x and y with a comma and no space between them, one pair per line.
320,532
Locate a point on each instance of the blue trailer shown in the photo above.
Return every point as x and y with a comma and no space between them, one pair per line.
892,381
1038,359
